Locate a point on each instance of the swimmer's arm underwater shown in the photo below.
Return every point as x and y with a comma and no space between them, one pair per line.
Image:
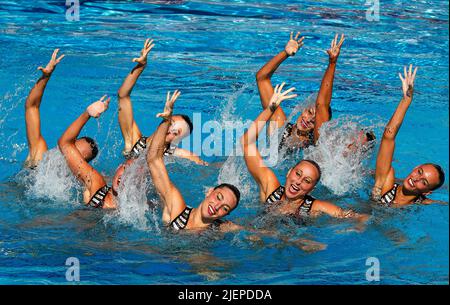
186,154
91,179
173,202
323,109
264,177
36,142
335,211
264,75
384,174
130,130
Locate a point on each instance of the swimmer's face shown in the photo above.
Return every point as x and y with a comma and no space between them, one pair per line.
85,149
422,180
218,203
177,131
118,175
361,140
301,180
306,120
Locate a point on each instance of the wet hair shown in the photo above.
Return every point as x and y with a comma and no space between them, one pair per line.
94,148
370,135
187,120
441,175
314,163
234,189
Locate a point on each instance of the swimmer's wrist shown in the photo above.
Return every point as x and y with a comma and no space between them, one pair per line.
273,107
286,54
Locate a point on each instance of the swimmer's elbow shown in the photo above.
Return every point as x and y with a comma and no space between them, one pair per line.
121,94
389,133
261,75
61,143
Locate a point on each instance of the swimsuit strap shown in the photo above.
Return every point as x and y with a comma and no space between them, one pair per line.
180,222
138,147
98,200
286,133
276,195
170,150
305,208
389,196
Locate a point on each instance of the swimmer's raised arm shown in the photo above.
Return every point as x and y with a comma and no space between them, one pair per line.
91,179
384,173
264,75
264,177
36,142
323,109
173,202
129,128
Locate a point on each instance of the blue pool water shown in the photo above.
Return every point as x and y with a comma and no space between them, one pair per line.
211,50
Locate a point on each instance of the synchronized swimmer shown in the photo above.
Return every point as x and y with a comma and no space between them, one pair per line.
291,199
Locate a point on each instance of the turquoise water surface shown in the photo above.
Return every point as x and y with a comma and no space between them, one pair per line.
211,50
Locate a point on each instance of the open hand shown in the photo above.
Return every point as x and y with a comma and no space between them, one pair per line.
279,96
335,49
294,44
48,70
408,81
97,108
148,45
168,108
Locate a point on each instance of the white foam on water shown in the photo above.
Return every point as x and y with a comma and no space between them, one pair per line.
52,179
133,209
343,171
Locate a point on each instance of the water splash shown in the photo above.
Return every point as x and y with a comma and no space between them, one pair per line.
344,170
133,207
51,179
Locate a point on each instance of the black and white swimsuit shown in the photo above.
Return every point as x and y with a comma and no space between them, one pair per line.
141,145
389,197
303,210
287,133
98,200
180,222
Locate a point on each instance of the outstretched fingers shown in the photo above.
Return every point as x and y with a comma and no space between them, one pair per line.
55,53
334,41
175,95
288,97
281,87
106,103
341,41
288,91
300,41
59,58
414,73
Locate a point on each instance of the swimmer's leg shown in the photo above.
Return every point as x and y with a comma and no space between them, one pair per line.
36,142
